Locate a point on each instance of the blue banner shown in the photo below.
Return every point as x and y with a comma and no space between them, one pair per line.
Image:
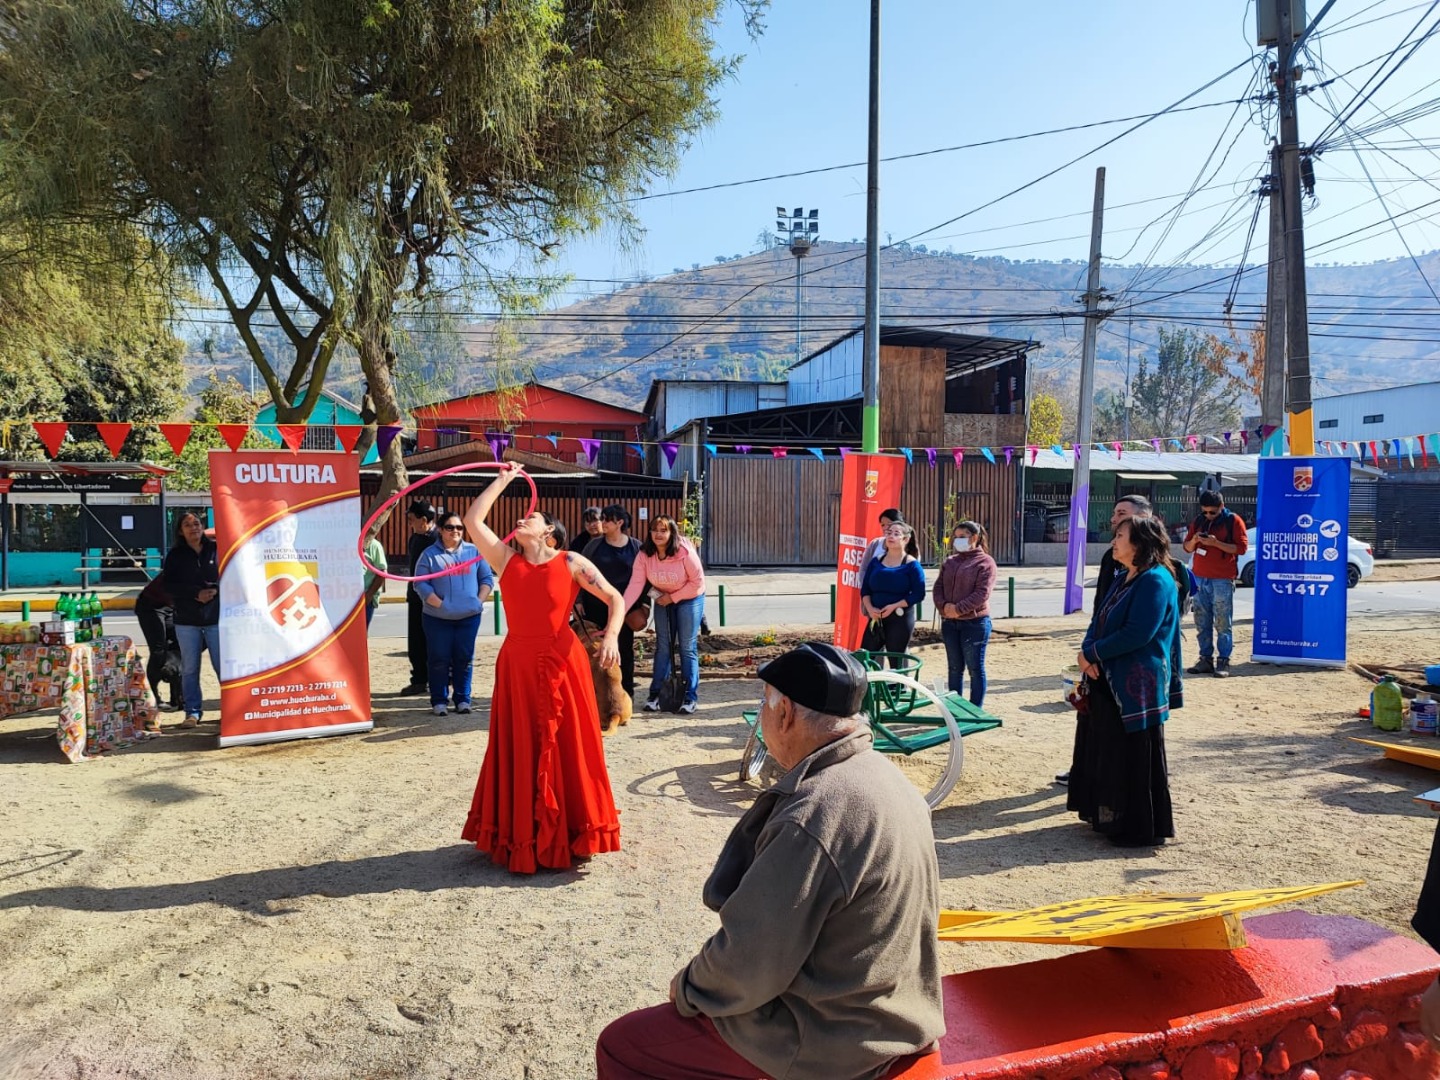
1300,542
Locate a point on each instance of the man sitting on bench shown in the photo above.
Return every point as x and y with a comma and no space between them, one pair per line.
825,966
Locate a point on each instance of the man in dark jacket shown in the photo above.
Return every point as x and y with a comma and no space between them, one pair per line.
421,519
826,963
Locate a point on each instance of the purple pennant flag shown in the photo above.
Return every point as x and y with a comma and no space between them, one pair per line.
930,455
669,449
744,448
1227,437
845,452
384,436
1155,445
497,442
1009,453
591,448
817,452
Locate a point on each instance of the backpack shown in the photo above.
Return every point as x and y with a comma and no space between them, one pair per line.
672,690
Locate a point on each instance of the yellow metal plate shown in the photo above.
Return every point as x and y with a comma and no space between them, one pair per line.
1093,920
1411,755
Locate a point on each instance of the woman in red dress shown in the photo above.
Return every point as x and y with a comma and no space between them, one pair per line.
544,794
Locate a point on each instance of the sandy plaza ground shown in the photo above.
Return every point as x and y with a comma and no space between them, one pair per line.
307,909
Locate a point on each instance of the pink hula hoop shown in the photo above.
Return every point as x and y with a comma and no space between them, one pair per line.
388,503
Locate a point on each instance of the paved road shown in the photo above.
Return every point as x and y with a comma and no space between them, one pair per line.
761,600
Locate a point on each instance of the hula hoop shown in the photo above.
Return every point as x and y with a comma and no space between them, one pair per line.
388,503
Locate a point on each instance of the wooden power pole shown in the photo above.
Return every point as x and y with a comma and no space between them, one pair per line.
1272,389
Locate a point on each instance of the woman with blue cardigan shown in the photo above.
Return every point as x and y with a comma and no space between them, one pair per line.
451,607
893,583
1131,663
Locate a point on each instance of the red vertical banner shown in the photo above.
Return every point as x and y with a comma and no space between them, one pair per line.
294,661
871,483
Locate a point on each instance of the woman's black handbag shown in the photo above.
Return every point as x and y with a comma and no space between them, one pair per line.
672,690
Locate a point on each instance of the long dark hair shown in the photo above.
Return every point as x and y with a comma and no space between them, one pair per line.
180,526
672,548
558,533
911,547
977,531
1150,541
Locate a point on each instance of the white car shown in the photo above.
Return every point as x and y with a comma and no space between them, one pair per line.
1360,563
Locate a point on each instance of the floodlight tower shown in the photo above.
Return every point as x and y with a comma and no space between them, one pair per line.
799,232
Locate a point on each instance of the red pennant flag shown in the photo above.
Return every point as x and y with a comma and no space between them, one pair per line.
113,436
177,435
778,451
51,434
293,435
1374,454
233,434
349,435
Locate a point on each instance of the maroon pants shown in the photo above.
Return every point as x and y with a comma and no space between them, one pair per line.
659,1044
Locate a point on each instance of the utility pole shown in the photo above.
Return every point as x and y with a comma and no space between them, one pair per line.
1272,389
870,365
1080,486
1297,312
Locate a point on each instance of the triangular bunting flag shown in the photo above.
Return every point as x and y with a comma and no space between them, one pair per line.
292,435
385,435
670,450
958,454
712,449
348,436
497,444
554,440
845,452
591,448
744,448
233,434
52,434
930,455
1119,449
639,449
1155,443
987,455
1410,450
909,455
1034,453
1245,439
177,435
1374,453
1009,453
1227,437
1058,450
1190,441
778,451
817,452
113,436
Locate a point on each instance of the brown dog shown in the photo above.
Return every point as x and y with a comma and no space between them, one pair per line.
610,697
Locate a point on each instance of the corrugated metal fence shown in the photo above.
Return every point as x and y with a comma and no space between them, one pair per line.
765,511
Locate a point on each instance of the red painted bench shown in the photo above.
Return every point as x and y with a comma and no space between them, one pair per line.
1311,998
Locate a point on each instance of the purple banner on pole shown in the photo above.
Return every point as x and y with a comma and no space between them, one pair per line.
1075,551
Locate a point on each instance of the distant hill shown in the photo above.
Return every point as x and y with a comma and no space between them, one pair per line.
736,319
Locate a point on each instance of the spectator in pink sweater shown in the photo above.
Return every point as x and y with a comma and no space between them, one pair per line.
669,566
962,596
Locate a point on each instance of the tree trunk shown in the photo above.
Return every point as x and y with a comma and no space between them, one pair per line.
377,360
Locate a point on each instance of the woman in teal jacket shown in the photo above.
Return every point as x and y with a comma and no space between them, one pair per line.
1131,662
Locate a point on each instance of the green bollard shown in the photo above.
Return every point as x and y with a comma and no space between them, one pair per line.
722,605
499,613
832,601
24,610
920,611
1012,598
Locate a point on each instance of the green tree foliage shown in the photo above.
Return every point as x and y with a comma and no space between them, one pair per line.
1046,421
223,401
1187,390
325,162
84,338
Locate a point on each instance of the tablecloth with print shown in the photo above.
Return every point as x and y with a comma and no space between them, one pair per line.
99,689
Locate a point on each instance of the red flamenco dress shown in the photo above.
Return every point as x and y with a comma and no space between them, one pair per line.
544,794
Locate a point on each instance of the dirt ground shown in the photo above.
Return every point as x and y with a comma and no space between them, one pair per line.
307,909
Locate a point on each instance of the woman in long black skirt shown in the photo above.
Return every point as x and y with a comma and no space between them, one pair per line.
1131,662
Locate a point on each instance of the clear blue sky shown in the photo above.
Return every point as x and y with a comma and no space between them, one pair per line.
960,72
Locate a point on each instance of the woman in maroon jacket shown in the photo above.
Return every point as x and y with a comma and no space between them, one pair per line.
962,596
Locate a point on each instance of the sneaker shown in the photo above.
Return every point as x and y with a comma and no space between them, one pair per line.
653,705
462,706
190,721
439,710
1203,666
415,688
688,707
1222,668
1063,779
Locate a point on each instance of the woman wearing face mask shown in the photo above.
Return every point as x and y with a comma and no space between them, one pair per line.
894,583
962,596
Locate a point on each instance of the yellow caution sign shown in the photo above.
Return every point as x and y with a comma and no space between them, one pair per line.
1140,921
1411,755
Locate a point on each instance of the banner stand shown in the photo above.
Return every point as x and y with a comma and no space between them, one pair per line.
1301,539
294,654
871,483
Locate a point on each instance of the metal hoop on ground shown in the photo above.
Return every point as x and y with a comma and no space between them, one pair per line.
399,495
955,758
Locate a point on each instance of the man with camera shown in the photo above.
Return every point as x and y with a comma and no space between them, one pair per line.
1216,539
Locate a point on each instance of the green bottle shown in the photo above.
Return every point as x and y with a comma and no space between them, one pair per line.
1387,705
97,611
